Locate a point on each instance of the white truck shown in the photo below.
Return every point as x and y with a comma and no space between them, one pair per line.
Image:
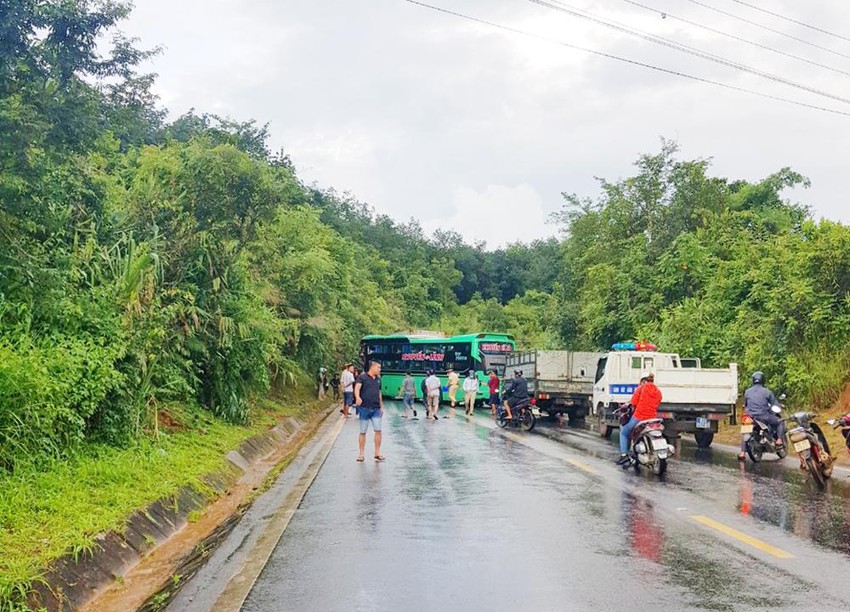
560,381
695,399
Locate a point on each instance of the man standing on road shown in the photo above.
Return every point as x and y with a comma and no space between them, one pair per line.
646,400
758,401
432,385
370,405
408,394
493,385
454,384
470,390
346,380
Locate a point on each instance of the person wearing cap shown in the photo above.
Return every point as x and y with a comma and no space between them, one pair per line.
454,384
646,400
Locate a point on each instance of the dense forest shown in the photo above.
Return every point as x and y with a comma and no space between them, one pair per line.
145,261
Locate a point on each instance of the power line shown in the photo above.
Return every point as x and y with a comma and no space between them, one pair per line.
769,29
624,59
667,15
564,8
805,25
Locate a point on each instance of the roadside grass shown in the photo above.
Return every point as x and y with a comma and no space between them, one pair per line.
49,510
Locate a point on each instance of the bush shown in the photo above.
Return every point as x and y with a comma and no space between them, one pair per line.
48,393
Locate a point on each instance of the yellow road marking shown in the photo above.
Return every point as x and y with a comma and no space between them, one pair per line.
743,537
581,466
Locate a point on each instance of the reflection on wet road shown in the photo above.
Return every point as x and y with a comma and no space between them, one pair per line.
463,516
773,492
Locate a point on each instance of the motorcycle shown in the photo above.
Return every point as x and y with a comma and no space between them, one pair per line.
842,423
523,415
648,447
758,438
811,447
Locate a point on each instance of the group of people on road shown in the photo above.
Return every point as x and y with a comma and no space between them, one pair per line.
363,392
758,403
432,392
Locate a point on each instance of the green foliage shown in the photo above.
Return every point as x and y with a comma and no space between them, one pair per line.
729,272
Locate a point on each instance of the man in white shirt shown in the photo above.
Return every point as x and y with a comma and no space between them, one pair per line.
346,381
470,390
432,383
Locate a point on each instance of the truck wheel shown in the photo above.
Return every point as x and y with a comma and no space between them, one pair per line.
576,420
704,438
604,430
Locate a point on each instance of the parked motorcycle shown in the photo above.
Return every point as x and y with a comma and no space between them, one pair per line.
523,415
758,438
842,423
811,447
647,447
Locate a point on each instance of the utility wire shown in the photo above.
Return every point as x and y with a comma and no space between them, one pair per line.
623,59
805,25
564,8
695,24
769,29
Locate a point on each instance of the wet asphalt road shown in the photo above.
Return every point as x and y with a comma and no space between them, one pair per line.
463,516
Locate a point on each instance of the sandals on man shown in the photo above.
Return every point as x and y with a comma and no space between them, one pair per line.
361,459
380,458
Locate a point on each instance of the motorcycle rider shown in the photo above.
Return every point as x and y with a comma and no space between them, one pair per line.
515,392
646,400
758,400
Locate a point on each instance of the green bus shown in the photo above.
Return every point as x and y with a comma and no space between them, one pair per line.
417,353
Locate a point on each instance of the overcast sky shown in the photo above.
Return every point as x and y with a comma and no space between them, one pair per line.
472,128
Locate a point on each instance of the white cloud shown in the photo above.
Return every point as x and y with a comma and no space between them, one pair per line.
498,215
416,112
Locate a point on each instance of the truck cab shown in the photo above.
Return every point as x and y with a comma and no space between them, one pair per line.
695,399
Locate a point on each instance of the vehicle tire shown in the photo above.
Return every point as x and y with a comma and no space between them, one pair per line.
502,420
782,451
659,467
553,417
604,430
815,470
754,451
527,421
704,438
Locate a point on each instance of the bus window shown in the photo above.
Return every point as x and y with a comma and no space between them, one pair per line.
494,362
648,363
636,363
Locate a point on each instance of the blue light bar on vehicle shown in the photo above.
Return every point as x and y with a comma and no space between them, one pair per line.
633,346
